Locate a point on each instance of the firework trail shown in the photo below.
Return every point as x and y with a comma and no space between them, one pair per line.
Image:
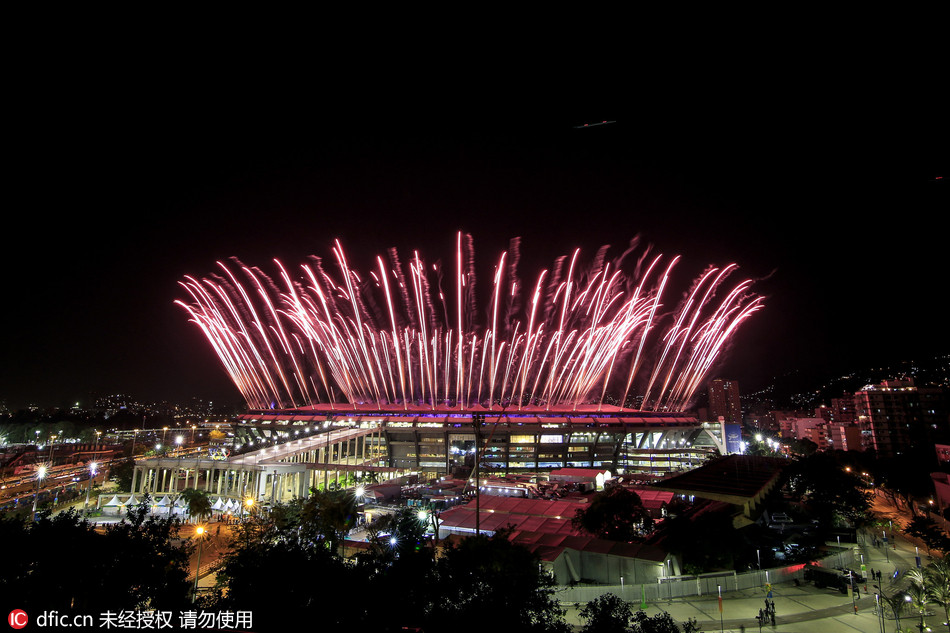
393,338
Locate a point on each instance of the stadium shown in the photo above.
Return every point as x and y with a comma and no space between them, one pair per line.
389,372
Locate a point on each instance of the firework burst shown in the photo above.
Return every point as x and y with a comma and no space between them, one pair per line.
392,337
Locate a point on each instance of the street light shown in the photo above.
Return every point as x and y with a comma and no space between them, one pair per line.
40,474
897,616
92,476
199,532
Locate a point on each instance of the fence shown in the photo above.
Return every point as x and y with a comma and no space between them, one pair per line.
703,584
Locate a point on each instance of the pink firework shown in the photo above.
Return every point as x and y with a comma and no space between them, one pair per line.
393,338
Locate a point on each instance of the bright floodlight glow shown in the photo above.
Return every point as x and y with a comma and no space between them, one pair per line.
393,541
359,492
93,466
407,332
179,440
41,472
423,515
200,530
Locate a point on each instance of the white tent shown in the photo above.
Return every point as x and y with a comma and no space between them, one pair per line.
113,503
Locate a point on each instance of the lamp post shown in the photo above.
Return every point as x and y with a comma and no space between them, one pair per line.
40,474
897,615
852,588
199,532
719,588
92,476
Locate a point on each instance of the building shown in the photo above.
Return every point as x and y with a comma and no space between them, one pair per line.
532,439
282,454
742,481
842,409
846,437
802,428
544,527
895,415
724,401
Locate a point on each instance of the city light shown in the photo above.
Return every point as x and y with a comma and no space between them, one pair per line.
392,336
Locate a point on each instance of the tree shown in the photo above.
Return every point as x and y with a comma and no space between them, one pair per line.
918,592
327,515
927,530
484,584
122,474
607,613
934,579
835,495
479,584
60,562
397,534
660,623
314,585
896,603
705,539
907,476
616,514
198,502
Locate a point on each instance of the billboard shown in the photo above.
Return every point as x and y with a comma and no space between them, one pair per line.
733,438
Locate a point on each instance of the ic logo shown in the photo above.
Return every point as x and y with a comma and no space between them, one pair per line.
18,618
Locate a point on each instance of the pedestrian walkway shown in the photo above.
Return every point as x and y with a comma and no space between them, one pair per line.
802,608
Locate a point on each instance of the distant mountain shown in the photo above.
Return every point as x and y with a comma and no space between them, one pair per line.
800,389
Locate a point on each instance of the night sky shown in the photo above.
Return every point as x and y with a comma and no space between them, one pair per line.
815,184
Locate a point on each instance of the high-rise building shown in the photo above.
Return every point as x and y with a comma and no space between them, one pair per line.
724,401
896,415
846,437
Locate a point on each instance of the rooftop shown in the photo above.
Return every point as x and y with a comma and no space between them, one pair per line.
736,479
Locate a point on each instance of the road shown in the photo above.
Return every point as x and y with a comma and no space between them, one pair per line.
806,609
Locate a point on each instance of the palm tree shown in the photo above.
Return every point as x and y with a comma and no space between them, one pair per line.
898,602
199,502
938,577
918,592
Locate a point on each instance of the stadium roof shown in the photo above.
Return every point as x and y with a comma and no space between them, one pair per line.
742,480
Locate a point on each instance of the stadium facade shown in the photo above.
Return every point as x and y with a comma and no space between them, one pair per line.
279,454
